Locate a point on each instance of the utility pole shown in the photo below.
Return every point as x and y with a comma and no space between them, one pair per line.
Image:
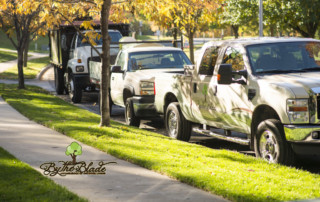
261,19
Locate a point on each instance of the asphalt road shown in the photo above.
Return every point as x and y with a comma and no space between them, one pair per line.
89,102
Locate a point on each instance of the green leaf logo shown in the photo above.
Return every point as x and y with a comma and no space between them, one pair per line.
74,150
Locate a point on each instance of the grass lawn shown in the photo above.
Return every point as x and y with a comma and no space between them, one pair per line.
20,182
30,72
230,174
7,56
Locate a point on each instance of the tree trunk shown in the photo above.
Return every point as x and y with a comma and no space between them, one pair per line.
74,160
175,36
272,32
20,69
105,71
191,47
25,53
235,29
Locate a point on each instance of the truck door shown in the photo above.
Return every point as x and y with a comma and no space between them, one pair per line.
116,82
204,88
232,100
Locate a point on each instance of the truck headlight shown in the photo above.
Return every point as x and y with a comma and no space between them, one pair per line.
79,68
298,110
147,88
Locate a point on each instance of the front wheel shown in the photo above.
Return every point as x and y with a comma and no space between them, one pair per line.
270,143
177,125
74,89
131,118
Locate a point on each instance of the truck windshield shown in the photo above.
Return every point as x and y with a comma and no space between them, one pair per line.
115,37
157,60
284,57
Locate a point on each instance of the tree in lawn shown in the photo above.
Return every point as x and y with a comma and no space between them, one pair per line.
236,13
74,150
300,15
190,15
19,19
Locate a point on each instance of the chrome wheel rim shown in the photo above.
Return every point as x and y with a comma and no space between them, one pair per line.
71,87
173,124
269,146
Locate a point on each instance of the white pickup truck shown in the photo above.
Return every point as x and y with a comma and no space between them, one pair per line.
262,92
132,77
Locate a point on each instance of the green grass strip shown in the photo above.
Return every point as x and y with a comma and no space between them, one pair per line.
20,182
7,56
30,72
230,174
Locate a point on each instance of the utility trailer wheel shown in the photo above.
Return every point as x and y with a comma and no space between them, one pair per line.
58,80
177,125
74,89
131,118
270,143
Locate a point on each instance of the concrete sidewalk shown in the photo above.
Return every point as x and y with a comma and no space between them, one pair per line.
36,144
6,65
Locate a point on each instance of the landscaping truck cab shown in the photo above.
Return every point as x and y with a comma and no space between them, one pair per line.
70,56
262,92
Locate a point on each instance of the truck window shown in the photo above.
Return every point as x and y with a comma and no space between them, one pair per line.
289,56
73,43
158,59
121,60
209,61
234,57
114,35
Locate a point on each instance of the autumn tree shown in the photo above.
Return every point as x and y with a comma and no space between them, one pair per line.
186,15
19,19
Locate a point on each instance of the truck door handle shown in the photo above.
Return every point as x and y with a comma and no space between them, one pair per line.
194,87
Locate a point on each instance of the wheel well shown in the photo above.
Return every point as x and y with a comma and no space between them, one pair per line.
170,97
261,113
126,94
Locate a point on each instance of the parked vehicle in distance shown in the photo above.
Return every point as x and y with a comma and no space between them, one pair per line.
70,56
261,92
132,77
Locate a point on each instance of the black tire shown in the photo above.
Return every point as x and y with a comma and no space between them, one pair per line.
177,125
58,80
74,89
131,118
270,143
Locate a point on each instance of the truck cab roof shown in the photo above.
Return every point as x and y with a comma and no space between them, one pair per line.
258,40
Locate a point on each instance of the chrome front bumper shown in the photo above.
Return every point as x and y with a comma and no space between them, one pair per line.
301,133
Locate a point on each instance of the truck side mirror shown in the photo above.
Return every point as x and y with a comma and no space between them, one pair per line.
116,69
225,74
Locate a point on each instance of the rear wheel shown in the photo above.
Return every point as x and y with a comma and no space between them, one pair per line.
177,125
74,89
131,118
270,143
